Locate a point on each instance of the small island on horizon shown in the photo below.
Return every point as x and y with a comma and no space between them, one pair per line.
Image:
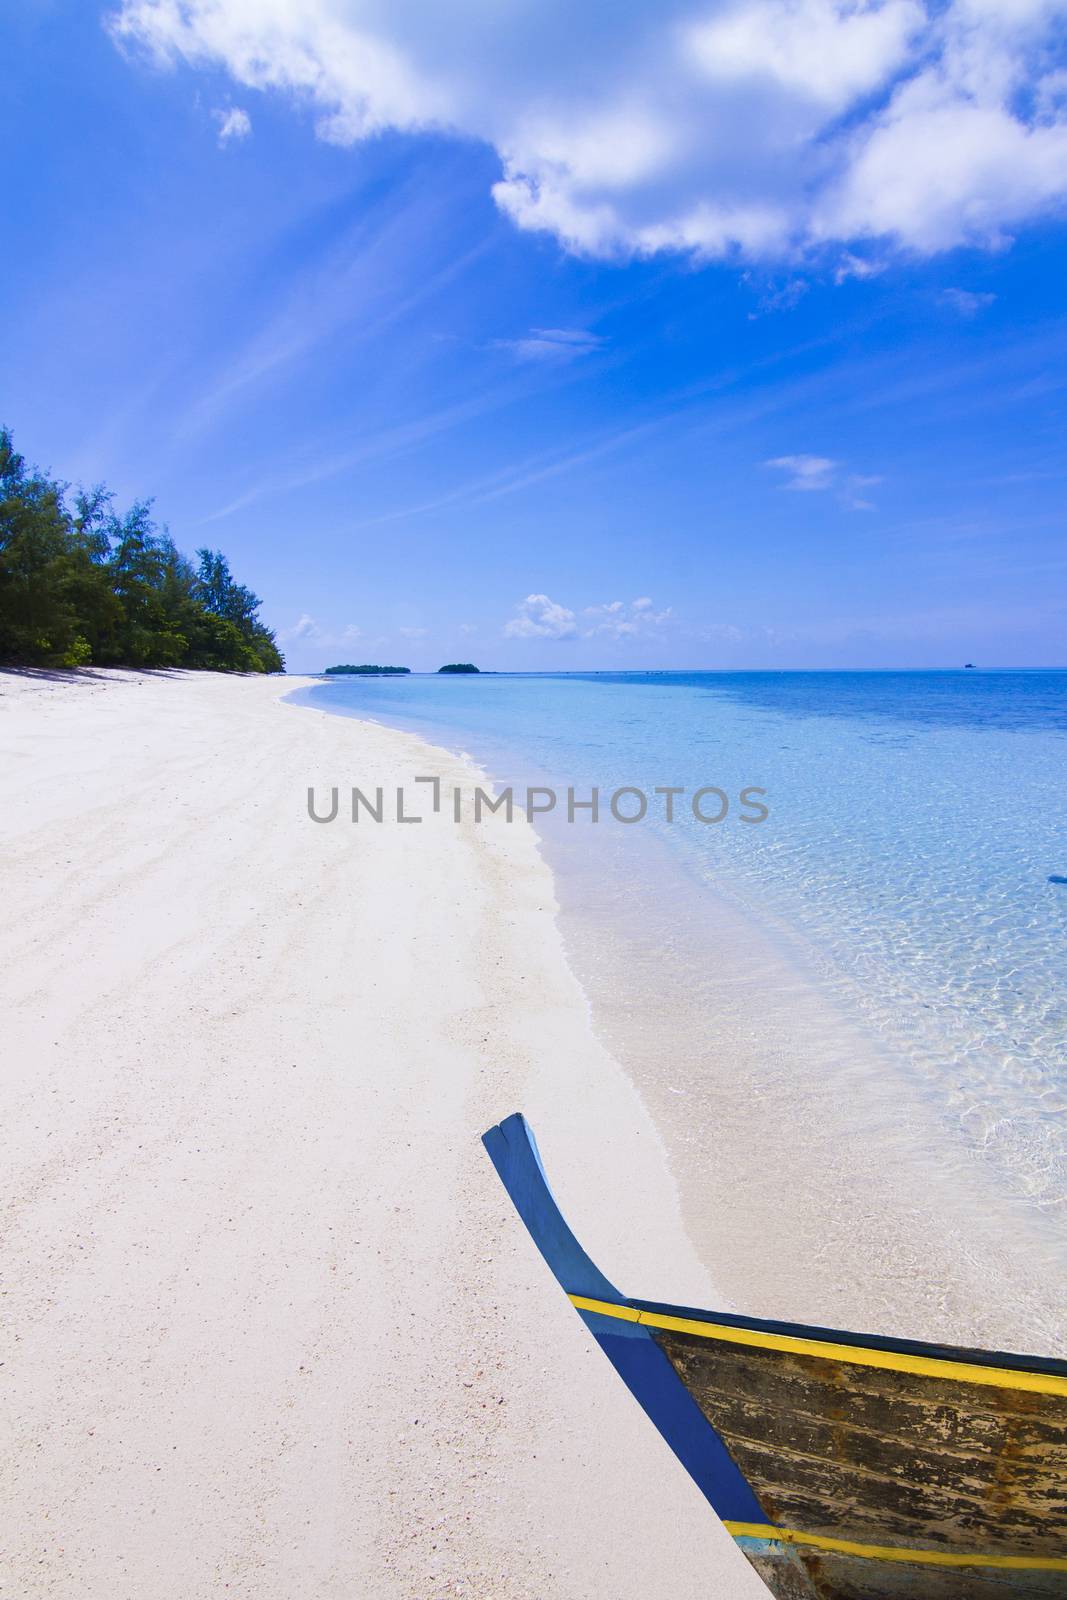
459,666
365,671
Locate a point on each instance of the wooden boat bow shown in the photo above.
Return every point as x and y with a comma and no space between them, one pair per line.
845,1466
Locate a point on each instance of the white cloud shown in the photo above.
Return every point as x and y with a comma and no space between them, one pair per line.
412,633
723,632
763,128
304,628
780,299
308,630
818,50
551,344
538,617
965,301
621,621
853,266
233,124
852,496
806,472
816,473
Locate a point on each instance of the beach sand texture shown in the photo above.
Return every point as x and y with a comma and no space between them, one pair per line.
270,1326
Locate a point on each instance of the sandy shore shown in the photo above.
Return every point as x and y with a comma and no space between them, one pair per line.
270,1326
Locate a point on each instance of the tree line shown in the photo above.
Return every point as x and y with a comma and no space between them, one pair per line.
81,584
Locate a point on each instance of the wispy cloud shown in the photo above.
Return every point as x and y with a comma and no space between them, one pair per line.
305,627
233,123
602,445
852,496
538,617
307,630
379,445
817,474
965,301
551,344
619,620
781,298
854,266
360,286
701,408
806,472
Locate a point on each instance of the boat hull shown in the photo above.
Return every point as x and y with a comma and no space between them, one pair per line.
873,1457
838,1577
846,1467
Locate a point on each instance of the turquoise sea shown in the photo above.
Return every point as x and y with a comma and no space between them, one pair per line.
909,860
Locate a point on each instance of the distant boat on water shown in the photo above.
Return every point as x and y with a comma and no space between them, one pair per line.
846,1466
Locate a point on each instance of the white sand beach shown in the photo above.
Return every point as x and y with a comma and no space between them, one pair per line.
271,1328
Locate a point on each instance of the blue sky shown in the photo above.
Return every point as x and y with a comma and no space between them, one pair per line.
447,376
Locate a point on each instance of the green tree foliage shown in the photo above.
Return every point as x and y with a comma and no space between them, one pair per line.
366,671
80,583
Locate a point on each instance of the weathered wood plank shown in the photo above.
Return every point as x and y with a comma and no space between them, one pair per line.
881,1457
835,1577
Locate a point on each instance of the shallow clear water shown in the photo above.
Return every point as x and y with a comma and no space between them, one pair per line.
915,822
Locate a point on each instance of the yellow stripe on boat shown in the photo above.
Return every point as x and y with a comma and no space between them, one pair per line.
825,1350
893,1552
